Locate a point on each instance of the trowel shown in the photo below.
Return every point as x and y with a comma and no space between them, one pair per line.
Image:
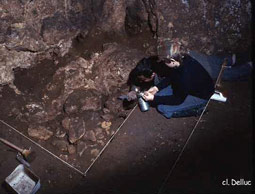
26,153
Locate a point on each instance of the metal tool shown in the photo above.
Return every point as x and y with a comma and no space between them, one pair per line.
21,159
25,152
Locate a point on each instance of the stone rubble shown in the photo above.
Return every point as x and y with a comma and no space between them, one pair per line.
39,132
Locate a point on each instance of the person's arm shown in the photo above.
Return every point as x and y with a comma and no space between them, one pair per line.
164,83
179,95
153,90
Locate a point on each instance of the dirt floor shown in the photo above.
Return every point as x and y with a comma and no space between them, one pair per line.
141,155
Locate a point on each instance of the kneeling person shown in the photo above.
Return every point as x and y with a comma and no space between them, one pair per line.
185,89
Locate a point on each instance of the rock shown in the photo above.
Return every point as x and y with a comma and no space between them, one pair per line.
40,112
136,17
82,100
66,123
71,109
113,16
100,136
106,125
107,117
76,129
94,152
28,34
57,25
101,142
15,112
76,75
90,136
61,145
86,65
37,112
10,59
64,157
114,105
106,110
39,132
71,149
98,131
81,147
60,133
63,47
107,130
123,114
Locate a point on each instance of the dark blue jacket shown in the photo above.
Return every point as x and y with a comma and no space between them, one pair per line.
188,79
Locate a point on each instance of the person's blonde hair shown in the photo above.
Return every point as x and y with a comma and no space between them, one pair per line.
168,48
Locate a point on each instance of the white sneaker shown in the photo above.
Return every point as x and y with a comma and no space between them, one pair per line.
233,59
250,64
218,96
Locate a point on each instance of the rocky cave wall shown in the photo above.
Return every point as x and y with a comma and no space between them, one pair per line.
34,30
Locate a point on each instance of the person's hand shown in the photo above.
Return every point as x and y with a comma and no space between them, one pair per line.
153,90
172,63
131,95
148,96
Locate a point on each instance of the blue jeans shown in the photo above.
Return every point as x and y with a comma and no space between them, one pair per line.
191,102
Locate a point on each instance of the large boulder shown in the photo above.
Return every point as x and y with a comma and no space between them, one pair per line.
82,100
